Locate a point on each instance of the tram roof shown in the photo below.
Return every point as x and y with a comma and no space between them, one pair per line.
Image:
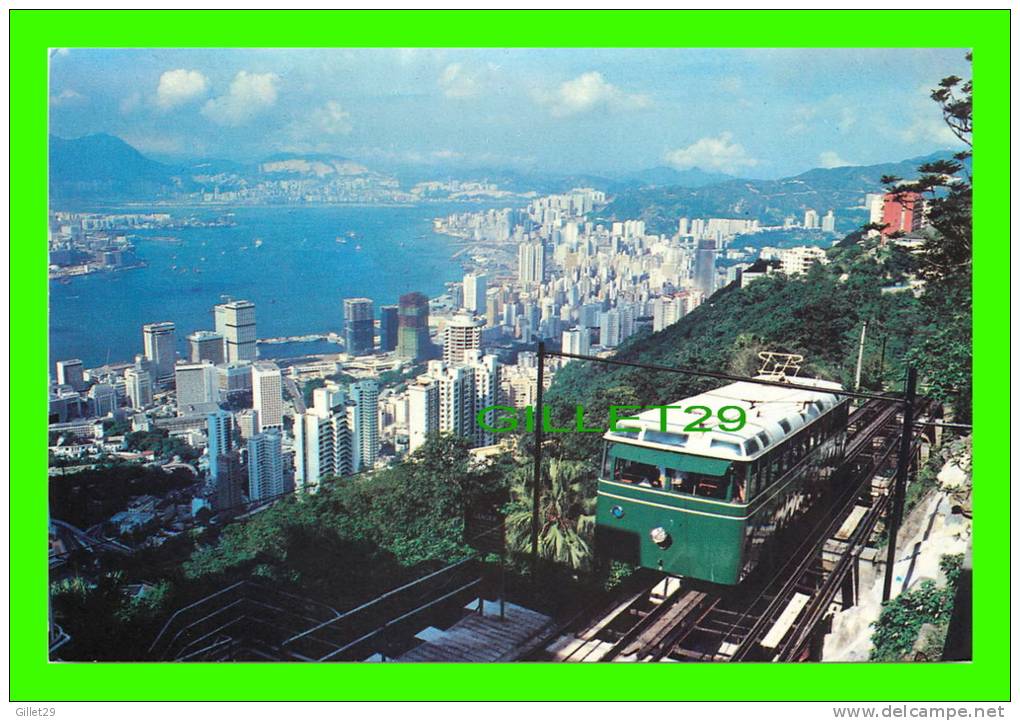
773,413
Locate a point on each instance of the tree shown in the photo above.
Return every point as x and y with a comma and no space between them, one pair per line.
944,354
566,513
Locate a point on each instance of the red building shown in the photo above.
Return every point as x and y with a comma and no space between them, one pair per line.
902,212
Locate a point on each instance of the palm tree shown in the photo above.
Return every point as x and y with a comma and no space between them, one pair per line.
566,515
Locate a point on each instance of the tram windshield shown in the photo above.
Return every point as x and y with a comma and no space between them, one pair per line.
674,472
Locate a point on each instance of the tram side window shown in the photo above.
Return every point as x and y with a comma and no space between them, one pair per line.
641,474
696,484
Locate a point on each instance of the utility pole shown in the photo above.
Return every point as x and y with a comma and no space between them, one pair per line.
900,484
536,490
860,357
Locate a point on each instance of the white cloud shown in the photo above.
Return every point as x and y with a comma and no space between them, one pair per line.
831,159
457,81
249,95
719,153
331,119
67,97
590,91
929,129
177,87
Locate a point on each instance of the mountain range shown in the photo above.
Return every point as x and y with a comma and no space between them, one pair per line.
104,167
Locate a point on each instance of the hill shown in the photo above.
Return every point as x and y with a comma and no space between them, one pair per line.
104,166
770,201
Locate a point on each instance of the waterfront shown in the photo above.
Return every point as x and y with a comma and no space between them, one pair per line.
294,263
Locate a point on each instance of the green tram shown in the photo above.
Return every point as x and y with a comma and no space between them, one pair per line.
679,494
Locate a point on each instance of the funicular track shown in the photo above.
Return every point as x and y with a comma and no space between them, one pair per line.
775,613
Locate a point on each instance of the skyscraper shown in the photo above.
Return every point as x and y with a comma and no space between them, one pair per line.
71,373
609,328
322,439
364,424
531,262
359,329
829,222
474,292
267,394
205,345
810,219
265,466
462,334
576,341
422,411
196,386
413,327
704,267
139,386
160,344
486,379
388,315
220,429
235,321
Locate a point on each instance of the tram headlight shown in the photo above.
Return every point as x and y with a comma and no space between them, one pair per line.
660,537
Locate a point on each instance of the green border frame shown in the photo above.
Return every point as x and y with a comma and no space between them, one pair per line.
32,677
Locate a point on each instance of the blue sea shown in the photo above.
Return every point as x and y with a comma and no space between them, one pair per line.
297,276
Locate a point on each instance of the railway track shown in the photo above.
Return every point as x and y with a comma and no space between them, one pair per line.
774,614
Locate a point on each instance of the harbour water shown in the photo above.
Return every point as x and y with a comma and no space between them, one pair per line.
295,263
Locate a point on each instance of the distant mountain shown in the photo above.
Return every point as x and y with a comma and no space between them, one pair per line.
666,176
104,166
309,165
841,190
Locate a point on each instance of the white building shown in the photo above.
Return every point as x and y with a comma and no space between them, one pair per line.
235,321
160,343
475,288
363,420
461,335
810,219
196,385
829,223
322,439
267,394
576,341
139,387
265,466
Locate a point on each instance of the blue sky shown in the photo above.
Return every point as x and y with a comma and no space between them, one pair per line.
756,113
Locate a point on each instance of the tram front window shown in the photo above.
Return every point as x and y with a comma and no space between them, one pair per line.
641,474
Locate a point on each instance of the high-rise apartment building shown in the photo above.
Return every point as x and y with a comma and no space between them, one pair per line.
265,466
576,341
422,411
220,430
829,222
531,262
267,394
461,334
810,219
159,341
205,345
413,330
359,326
235,321
363,418
322,439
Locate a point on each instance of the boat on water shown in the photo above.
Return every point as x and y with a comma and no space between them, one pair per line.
341,241
258,242
357,247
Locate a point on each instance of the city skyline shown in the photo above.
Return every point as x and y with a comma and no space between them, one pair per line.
761,113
